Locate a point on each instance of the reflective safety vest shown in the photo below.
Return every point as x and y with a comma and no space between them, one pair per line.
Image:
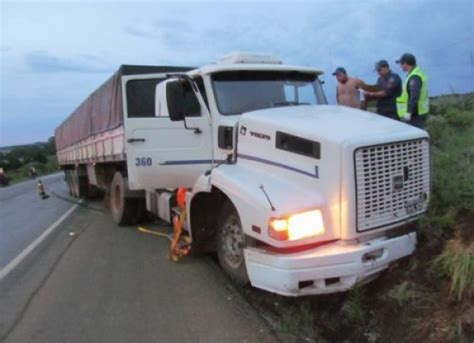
423,102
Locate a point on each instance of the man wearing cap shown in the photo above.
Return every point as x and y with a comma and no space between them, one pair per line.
391,88
347,91
413,104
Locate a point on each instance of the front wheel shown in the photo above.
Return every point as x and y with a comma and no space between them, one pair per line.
122,208
231,242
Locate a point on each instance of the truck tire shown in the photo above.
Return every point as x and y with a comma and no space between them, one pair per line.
74,183
123,209
93,192
69,181
231,242
79,184
140,213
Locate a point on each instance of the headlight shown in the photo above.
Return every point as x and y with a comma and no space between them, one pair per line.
297,226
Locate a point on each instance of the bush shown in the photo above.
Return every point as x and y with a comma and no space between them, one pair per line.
404,294
452,137
457,263
355,306
452,200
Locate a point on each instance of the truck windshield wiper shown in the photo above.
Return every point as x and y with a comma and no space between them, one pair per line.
289,103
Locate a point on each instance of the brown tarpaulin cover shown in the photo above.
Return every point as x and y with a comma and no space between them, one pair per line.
103,109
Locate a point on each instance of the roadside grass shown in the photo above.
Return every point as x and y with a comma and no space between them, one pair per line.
354,308
23,173
298,326
404,293
452,171
455,333
456,262
440,105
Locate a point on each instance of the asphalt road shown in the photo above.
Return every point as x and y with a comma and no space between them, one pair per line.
92,281
24,215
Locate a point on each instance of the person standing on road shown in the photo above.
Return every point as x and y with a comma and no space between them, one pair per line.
413,104
347,91
33,173
391,88
3,178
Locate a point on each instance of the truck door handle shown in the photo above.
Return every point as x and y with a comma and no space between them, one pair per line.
131,140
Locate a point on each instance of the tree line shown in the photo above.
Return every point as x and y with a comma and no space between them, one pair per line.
19,156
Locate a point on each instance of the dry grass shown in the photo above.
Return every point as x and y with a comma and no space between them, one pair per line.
456,262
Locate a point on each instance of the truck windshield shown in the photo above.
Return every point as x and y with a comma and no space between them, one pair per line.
237,92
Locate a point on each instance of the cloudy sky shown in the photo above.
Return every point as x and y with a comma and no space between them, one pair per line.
53,54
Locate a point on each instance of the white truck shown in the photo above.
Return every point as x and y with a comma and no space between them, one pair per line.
297,197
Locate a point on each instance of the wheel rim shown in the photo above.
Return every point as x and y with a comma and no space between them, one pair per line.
233,242
117,197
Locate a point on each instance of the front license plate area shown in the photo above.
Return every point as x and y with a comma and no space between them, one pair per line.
414,205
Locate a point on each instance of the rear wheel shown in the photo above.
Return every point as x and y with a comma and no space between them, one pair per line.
123,209
79,186
76,189
92,191
73,183
69,181
231,242
140,213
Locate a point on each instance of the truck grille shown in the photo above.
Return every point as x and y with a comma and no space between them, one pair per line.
392,182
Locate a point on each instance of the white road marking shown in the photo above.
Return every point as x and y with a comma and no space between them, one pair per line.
18,259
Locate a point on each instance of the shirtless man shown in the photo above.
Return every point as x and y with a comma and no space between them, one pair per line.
347,91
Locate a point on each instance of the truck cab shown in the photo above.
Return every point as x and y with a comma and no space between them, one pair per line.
296,196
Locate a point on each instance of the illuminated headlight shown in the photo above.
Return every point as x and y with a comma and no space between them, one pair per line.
297,226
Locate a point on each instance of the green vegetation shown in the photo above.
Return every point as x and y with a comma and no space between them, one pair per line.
354,308
455,333
456,262
404,294
17,161
452,205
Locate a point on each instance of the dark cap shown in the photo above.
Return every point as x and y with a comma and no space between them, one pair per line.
340,70
380,64
408,59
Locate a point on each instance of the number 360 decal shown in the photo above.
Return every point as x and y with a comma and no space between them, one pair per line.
143,161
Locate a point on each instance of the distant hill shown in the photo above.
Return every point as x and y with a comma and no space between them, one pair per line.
6,149
17,160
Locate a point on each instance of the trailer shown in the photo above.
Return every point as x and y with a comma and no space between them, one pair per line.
296,196
91,142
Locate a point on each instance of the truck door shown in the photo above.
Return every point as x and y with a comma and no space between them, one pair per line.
161,153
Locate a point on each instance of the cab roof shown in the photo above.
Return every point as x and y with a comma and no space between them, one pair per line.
210,69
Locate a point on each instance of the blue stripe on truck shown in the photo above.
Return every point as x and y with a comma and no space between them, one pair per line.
175,163
281,165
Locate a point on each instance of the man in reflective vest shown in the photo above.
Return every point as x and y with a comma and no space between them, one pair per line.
413,104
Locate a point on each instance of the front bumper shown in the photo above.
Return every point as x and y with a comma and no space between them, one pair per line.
328,269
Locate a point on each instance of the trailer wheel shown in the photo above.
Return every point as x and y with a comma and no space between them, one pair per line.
93,192
79,185
140,213
231,242
123,209
69,181
75,184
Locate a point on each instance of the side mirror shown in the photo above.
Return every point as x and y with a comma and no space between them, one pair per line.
175,100
225,139
182,101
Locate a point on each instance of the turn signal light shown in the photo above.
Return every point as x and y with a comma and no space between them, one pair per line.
297,226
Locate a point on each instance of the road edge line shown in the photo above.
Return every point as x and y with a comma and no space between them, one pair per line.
21,256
